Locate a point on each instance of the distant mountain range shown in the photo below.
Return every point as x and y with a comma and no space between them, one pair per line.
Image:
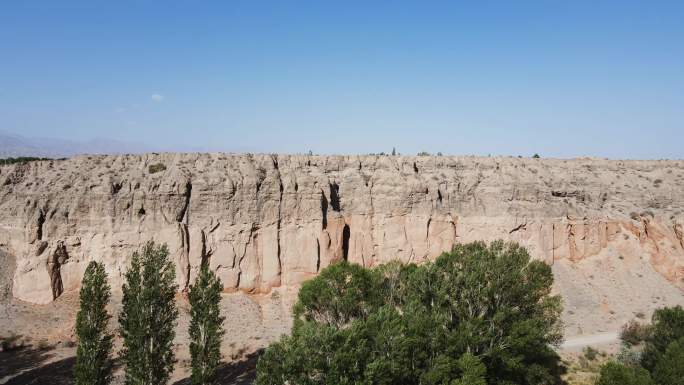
12,145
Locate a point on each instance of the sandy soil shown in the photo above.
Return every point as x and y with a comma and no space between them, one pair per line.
46,333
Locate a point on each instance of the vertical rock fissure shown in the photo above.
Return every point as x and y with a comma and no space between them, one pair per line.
335,196
324,210
183,215
280,212
237,280
250,239
206,254
346,234
54,265
183,220
39,224
184,257
318,256
372,222
553,243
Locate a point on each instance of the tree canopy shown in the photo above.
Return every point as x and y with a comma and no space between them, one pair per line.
662,359
480,314
148,317
93,355
205,328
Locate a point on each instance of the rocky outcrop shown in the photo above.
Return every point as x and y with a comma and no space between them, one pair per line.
263,221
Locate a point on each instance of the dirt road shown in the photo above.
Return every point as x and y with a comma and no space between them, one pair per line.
599,339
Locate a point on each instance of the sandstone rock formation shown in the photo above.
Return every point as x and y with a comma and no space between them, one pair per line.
263,221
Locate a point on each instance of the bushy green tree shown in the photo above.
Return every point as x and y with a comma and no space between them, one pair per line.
148,316
614,373
341,293
93,355
662,358
667,327
669,369
477,315
206,328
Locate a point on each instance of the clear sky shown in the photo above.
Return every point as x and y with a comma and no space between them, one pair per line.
561,78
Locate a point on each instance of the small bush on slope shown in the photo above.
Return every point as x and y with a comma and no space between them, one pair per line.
157,167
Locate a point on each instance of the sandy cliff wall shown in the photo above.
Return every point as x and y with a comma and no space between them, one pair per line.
264,221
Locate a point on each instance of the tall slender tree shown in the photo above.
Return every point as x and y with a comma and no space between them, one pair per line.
206,328
93,355
148,317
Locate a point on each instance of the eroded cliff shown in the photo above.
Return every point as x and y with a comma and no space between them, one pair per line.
263,221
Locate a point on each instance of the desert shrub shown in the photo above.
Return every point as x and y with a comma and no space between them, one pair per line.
21,159
536,156
590,353
628,356
11,342
478,314
43,344
157,167
634,333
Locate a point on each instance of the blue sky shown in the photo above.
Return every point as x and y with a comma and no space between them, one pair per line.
561,78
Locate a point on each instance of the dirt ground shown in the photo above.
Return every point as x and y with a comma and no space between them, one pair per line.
44,349
45,345
600,295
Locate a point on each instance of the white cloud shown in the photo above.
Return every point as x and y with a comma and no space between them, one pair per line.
157,98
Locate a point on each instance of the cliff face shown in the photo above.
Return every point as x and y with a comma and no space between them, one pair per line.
264,221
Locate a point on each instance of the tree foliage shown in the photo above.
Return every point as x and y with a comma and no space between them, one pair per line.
634,333
669,369
93,355
614,373
148,316
205,326
21,159
662,359
667,327
477,315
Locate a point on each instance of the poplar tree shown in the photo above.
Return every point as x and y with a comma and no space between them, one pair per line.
93,355
205,328
148,317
